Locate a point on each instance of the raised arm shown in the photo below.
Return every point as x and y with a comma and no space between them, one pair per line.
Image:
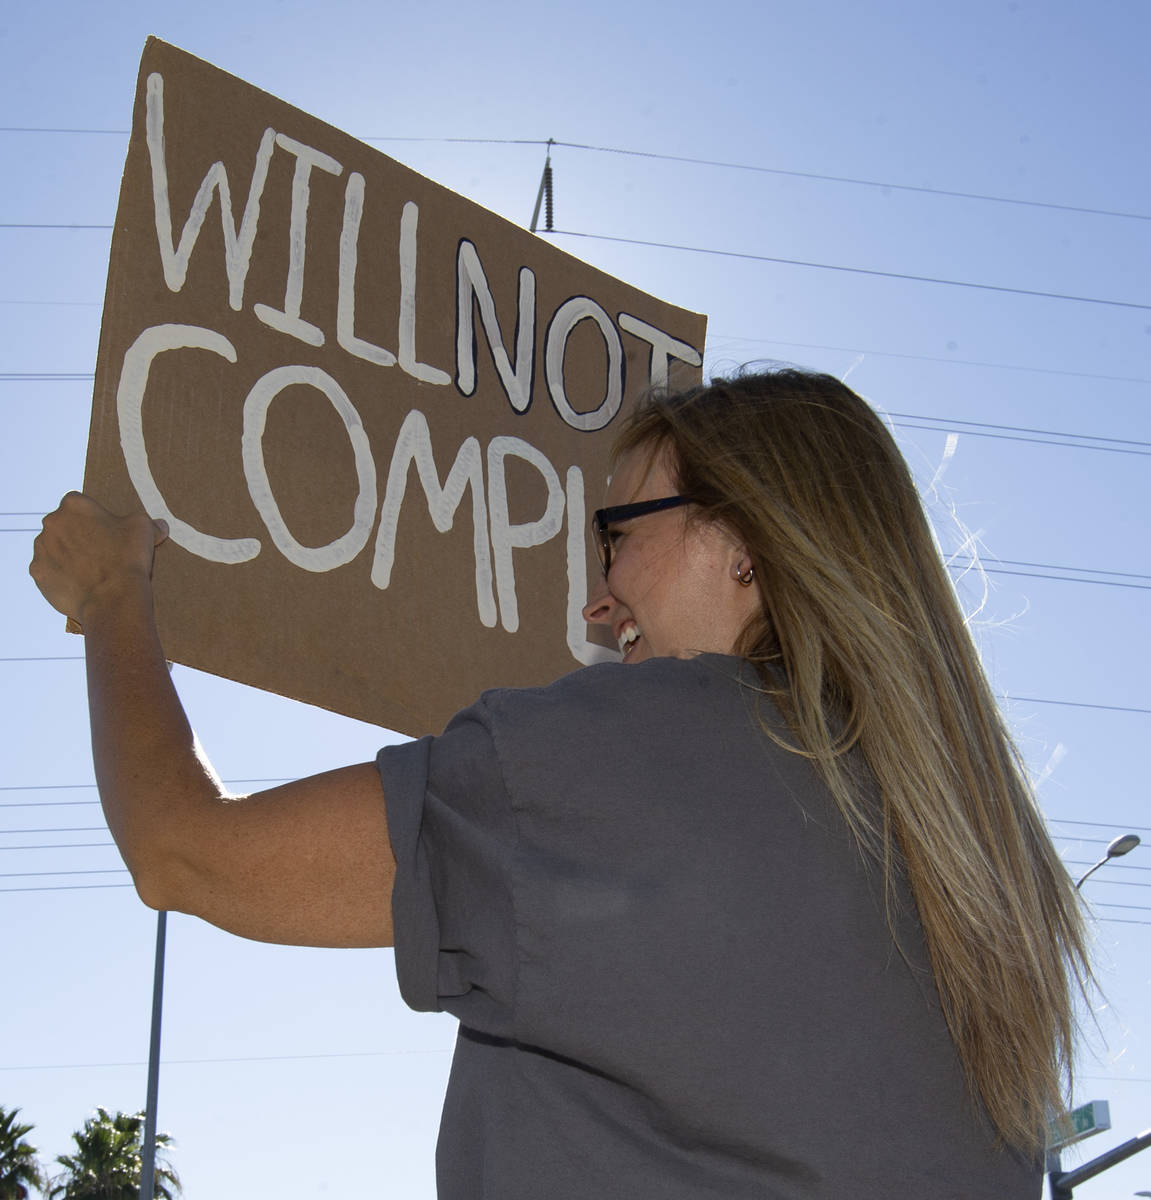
308,863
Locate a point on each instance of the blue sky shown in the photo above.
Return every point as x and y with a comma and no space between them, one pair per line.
296,1073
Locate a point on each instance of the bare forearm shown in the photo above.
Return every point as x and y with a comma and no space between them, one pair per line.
307,862
154,785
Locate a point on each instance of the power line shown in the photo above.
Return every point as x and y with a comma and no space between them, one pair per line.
796,262
1012,562
1071,704
1145,587
77,887
1075,862
30,376
1008,437
252,1058
963,562
45,803
1080,839
1098,1078
1000,696
103,870
1102,824
1016,433
60,829
746,256
45,657
61,845
86,887
45,376
870,183
946,422
40,129
883,185
955,362
46,787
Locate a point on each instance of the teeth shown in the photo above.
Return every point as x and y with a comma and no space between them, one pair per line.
629,635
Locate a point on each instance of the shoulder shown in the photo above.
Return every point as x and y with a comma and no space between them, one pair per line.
600,693
611,721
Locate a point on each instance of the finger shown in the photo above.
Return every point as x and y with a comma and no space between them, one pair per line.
159,531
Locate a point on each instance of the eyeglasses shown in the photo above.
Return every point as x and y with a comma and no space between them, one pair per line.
605,517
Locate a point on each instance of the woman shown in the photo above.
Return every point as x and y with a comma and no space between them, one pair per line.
765,911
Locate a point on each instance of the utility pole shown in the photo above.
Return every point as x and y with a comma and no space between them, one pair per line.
148,1150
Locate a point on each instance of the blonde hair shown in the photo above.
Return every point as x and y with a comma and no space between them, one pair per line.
861,617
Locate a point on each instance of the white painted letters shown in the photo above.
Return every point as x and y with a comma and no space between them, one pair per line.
129,408
663,348
288,319
237,243
505,536
259,399
471,282
581,649
567,316
414,443
346,337
409,223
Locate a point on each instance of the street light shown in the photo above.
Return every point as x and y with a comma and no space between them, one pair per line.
1123,844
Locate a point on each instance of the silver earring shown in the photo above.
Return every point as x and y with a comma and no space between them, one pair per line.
745,577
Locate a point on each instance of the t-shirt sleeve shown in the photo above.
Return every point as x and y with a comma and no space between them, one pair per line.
453,836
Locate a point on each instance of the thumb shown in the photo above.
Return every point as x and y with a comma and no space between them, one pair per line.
159,531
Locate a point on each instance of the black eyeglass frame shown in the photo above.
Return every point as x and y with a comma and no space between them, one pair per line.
605,517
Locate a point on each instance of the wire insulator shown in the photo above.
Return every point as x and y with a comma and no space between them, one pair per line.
548,212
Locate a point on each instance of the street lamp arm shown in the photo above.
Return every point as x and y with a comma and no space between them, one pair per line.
1062,1182
1123,844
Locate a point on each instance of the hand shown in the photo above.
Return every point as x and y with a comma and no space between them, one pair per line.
85,553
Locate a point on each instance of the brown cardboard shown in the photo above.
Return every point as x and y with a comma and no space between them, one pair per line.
253,389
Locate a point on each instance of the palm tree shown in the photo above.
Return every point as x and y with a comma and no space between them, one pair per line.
107,1164
18,1164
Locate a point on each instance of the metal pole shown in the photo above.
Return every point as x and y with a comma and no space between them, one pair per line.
148,1156
1063,1182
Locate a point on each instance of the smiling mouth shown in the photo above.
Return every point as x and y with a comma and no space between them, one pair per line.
628,638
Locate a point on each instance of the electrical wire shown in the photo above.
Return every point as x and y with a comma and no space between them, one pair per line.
869,183
999,696
252,1058
713,349
77,887
747,256
24,875
62,846
691,160
987,570
970,561
1102,824
796,262
1019,438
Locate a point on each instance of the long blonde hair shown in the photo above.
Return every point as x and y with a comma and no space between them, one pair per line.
861,617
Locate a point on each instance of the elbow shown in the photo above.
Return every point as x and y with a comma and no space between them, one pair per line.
153,896
158,884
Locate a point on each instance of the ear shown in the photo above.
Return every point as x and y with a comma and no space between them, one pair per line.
736,547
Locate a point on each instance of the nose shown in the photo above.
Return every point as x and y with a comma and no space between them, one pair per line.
597,611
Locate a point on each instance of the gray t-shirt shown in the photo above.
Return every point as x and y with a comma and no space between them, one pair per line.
674,975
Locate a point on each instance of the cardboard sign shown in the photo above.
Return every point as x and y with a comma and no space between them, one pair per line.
374,415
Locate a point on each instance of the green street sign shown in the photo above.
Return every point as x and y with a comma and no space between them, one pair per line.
1079,1123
